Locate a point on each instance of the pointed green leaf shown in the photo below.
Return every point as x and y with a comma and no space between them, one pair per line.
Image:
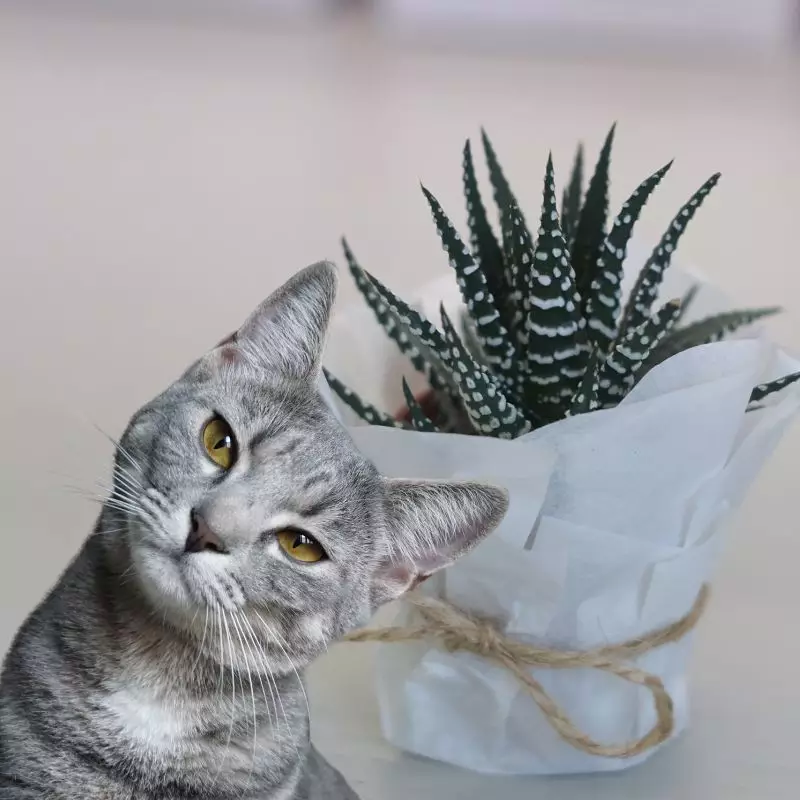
419,419
504,199
603,302
413,321
492,334
500,185
591,227
764,390
491,412
518,248
471,339
557,347
485,247
365,410
704,331
617,375
571,200
686,301
647,284
585,398
451,416
519,257
388,321
428,340
416,337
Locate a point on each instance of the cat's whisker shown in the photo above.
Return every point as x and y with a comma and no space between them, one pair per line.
194,617
221,676
233,688
110,495
128,482
65,482
124,509
124,472
127,575
118,491
281,642
116,503
276,635
119,447
113,487
122,505
120,502
82,491
106,531
248,629
274,691
238,630
135,501
270,676
202,642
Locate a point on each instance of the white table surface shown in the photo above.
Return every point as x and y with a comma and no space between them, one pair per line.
152,169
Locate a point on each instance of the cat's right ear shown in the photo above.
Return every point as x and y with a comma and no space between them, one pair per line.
429,525
286,334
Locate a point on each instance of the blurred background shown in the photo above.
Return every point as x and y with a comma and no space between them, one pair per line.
165,164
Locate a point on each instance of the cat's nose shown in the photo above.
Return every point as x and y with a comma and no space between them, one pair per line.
201,537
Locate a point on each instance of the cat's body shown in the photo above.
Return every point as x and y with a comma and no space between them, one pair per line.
98,692
244,533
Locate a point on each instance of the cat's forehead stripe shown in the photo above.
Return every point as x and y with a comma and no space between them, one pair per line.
281,444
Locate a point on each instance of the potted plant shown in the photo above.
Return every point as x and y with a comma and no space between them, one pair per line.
625,428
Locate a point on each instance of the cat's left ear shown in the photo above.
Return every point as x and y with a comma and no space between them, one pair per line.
286,333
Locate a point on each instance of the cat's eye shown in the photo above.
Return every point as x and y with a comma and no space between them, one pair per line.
300,546
220,443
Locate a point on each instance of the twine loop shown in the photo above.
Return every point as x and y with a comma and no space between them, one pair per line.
456,630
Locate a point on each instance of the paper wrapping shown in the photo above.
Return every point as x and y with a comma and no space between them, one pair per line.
615,522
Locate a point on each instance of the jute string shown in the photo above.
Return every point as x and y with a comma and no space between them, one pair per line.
456,630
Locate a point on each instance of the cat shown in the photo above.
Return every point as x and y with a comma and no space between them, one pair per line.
244,533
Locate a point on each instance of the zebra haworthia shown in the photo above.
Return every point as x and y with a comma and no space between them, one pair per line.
544,333
554,324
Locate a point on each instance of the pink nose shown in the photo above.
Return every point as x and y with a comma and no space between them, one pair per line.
201,537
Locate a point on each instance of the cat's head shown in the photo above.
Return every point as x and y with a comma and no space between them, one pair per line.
245,501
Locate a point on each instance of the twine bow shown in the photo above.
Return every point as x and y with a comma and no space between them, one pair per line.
456,630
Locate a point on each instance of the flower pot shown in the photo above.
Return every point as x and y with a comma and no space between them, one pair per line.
615,523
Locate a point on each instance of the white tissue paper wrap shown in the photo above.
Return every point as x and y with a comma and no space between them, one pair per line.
614,525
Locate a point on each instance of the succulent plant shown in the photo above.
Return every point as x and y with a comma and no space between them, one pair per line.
544,334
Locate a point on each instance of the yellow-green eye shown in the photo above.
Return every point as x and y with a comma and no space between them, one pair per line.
300,546
220,443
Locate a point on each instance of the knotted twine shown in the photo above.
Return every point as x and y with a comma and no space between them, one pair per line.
456,630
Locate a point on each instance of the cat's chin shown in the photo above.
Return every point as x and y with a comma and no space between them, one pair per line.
183,586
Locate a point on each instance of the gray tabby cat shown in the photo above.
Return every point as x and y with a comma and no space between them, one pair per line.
244,533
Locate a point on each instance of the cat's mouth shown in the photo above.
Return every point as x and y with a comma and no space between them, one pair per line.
183,584
195,594
207,584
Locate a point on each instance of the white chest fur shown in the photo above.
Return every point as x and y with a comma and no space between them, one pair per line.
148,721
